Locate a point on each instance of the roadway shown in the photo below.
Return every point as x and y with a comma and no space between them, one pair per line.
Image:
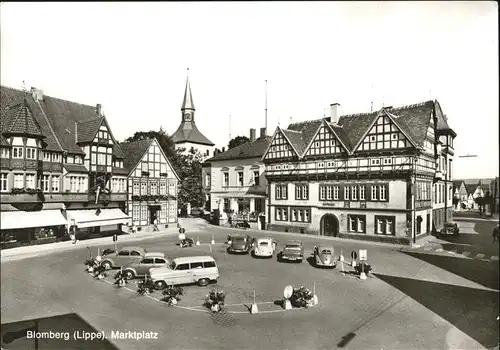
409,303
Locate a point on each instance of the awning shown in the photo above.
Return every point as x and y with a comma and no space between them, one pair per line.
25,219
96,217
240,195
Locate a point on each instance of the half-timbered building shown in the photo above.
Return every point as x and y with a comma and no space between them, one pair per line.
152,185
381,175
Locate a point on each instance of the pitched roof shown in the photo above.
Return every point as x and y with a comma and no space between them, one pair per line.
75,168
255,149
134,151
413,120
457,183
188,132
10,96
18,119
87,129
471,188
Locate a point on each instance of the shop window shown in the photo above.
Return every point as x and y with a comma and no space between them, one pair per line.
385,225
356,223
300,214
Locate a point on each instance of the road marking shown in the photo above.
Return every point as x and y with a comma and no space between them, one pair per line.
440,250
494,257
466,253
427,249
480,256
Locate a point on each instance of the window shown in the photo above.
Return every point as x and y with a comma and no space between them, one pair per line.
136,188
374,193
124,253
256,178
56,157
4,153
144,212
153,188
301,191
281,214
383,192
17,152
226,180
136,212
281,191
144,188
197,265
45,183
163,188
362,192
387,161
208,264
148,261
346,193
30,180
354,192
240,178
55,183
73,183
18,181
329,192
356,223
335,192
101,159
322,193
30,153
207,179
46,156
182,267
3,183
375,161
226,203
300,214
81,186
384,225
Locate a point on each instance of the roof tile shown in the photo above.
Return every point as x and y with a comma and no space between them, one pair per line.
255,149
134,151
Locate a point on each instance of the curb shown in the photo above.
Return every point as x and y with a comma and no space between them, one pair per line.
69,246
336,239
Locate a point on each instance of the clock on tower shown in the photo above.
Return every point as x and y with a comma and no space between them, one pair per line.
187,117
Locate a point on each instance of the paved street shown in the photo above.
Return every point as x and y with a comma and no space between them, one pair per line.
450,303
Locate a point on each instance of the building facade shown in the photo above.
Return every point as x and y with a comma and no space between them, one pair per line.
376,176
234,179
461,195
152,185
187,135
61,169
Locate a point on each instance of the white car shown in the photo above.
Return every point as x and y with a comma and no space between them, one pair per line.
263,247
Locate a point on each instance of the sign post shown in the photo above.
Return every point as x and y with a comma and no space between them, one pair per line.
354,256
362,257
341,258
115,239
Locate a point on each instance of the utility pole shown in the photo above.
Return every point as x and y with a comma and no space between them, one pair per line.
266,109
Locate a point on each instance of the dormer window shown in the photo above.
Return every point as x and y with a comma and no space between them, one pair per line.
46,156
56,157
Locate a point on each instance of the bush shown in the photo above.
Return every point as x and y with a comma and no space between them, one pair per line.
301,297
366,269
215,298
172,292
145,287
120,279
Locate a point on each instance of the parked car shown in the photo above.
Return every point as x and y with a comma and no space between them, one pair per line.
324,256
239,243
122,257
292,251
141,267
264,247
186,270
450,228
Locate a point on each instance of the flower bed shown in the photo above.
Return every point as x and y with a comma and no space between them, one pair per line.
366,269
172,295
301,297
215,300
145,287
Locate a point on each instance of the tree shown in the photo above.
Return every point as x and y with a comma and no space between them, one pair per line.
455,200
480,202
238,140
165,141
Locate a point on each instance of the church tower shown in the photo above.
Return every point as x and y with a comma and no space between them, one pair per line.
187,134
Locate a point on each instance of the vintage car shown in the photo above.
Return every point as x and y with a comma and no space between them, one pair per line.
324,256
450,228
239,243
122,257
263,247
292,251
141,267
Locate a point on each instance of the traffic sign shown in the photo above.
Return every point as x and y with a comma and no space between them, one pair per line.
182,230
287,293
354,255
363,255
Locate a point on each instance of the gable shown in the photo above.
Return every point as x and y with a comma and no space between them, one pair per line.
384,134
154,162
280,148
325,143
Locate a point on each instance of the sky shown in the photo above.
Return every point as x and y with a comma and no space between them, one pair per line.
132,58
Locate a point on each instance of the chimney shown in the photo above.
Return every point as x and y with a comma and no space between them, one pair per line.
334,112
252,135
262,133
37,94
98,109
223,149
216,151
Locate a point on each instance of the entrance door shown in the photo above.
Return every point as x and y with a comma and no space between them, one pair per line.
329,225
153,211
428,223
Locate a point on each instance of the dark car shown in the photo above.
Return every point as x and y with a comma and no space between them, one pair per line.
239,243
292,251
140,268
122,257
450,228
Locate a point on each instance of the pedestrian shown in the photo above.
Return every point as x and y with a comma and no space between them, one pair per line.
155,223
495,233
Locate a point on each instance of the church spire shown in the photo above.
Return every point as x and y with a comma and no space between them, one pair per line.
187,103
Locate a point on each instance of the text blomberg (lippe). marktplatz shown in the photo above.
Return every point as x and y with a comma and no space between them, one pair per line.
134,335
